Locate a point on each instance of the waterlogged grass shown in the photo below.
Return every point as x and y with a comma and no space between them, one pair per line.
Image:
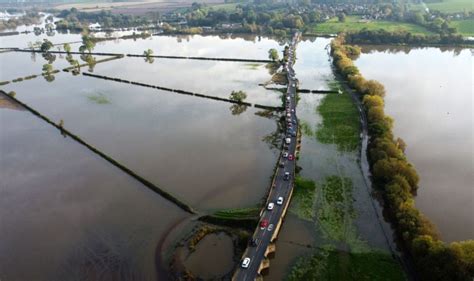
99,99
302,203
236,214
327,264
340,123
306,128
335,213
253,66
355,23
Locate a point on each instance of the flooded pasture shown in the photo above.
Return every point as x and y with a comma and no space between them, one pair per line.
433,115
165,137
337,216
66,212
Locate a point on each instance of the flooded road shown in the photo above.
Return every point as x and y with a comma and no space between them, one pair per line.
336,217
430,97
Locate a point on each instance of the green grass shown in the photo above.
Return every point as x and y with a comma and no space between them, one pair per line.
236,214
302,203
465,27
253,66
340,124
448,6
99,99
354,23
336,265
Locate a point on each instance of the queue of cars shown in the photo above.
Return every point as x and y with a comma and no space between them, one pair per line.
291,124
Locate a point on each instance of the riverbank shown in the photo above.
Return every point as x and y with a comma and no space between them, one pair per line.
397,181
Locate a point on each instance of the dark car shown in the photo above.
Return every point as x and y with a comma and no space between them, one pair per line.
286,176
254,242
282,164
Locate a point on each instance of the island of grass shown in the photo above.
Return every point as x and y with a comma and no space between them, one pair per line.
356,23
242,217
341,124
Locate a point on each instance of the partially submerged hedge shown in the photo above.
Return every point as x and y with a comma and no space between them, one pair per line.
397,180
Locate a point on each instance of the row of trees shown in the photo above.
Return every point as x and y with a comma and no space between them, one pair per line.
398,180
27,19
74,20
382,36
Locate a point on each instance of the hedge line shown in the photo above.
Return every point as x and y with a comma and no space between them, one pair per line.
397,181
114,162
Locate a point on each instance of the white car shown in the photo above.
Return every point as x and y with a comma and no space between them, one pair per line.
270,206
246,263
280,201
285,155
287,140
270,227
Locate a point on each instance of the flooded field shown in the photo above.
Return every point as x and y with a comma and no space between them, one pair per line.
102,215
150,132
334,219
226,46
433,115
213,78
67,213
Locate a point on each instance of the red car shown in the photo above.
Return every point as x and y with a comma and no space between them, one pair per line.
291,157
263,224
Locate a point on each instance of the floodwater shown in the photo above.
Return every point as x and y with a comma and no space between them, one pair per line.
303,236
213,78
15,65
66,213
65,210
430,97
214,249
194,148
225,46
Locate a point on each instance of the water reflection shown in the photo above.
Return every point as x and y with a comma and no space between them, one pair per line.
429,94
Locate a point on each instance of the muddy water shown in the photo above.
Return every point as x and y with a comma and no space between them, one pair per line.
312,64
429,94
212,258
15,65
362,232
66,212
199,150
253,47
205,77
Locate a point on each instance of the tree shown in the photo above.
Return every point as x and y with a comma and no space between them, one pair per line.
67,48
88,43
341,17
148,53
273,54
46,45
47,68
238,96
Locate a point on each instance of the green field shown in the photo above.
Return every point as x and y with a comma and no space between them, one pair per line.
465,27
448,6
354,23
340,124
329,265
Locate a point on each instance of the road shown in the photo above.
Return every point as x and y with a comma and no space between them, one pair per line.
281,186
